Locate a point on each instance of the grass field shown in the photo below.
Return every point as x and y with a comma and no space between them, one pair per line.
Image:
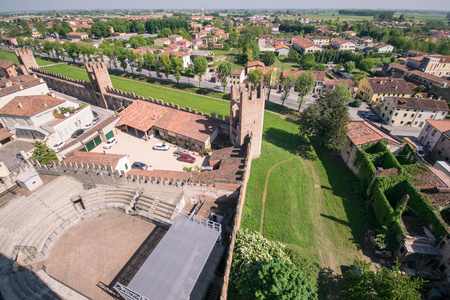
309,203
409,17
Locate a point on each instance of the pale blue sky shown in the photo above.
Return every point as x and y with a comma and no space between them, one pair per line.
20,5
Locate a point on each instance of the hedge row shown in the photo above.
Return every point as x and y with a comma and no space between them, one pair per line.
366,168
383,210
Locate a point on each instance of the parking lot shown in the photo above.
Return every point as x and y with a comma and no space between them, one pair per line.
141,150
9,151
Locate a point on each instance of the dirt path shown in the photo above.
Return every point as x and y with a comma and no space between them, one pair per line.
265,191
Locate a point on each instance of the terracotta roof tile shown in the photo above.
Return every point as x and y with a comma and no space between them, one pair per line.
440,125
4,64
230,162
419,103
362,132
320,75
256,63
29,105
389,85
304,42
142,115
106,159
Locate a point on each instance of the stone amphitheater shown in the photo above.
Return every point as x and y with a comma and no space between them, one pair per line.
29,226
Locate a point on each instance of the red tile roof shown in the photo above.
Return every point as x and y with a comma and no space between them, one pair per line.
440,125
12,85
142,115
4,64
362,132
389,85
419,103
230,162
304,43
282,46
256,63
28,106
106,159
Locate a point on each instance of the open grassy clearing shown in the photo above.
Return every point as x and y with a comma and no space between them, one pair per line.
310,203
349,18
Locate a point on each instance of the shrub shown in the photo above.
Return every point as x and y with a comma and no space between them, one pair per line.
357,103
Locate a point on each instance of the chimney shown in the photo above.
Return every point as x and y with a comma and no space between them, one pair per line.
45,104
20,105
381,81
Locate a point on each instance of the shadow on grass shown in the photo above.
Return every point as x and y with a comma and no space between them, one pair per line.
329,284
342,182
335,219
296,144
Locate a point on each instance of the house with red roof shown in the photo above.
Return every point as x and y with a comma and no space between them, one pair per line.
304,46
184,44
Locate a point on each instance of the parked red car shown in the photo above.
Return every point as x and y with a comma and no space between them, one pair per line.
187,158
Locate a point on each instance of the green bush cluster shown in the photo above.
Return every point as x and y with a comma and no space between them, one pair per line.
366,168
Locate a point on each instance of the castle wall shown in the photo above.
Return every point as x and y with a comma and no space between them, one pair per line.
27,59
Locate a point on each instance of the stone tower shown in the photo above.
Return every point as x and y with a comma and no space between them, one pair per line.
247,116
26,58
100,80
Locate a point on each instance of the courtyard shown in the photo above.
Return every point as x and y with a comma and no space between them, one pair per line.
141,150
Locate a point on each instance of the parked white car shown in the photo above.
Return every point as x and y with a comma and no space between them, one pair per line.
163,147
111,142
56,147
88,126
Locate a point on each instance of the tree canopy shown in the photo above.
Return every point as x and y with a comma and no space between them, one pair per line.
327,118
224,70
42,153
200,66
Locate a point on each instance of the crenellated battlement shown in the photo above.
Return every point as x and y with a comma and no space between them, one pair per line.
26,58
59,76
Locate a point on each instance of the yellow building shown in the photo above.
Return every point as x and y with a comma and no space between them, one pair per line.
374,90
238,76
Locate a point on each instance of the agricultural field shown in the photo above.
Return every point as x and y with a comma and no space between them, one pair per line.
332,16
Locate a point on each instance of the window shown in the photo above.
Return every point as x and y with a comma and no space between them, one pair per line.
401,122
391,112
392,121
405,115
396,114
442,268
26,123
14,120
412,115
420,116
434,132
382,115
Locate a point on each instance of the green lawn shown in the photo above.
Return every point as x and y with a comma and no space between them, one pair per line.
409,17
201,103
309,204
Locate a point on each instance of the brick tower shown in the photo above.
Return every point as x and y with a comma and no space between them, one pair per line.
26,58
247,116
100,80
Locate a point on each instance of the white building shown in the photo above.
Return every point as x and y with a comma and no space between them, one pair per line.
43,117
22,85
432,132
412,112
383,48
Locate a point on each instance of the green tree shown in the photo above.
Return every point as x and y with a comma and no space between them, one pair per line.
177,66
139,61
271,80
224,70
218,22
366,65
327,118
304,85
308,61
189,72
40,27
287,84
166,64
418,89
42,153
320,67
65,29
47,46
255,76
165,33
200,66
149,60
349,66
337,68
72,49
268,58
363,283
275,279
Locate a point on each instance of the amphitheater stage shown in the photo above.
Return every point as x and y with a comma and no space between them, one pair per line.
100,250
